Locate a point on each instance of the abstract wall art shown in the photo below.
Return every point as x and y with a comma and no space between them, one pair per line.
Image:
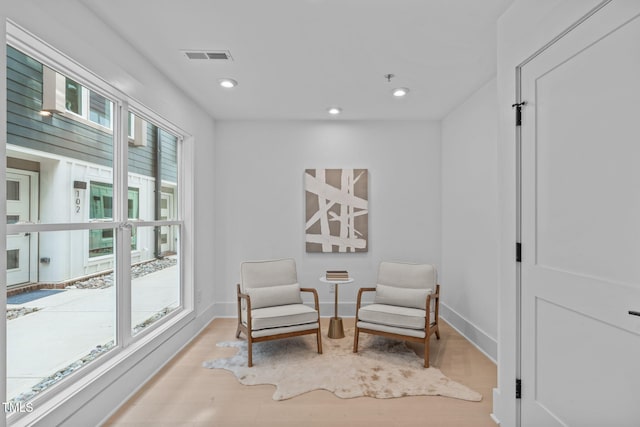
337,210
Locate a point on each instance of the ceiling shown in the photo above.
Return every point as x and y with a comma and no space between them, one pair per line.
295,58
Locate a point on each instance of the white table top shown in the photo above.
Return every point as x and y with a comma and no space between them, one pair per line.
324,280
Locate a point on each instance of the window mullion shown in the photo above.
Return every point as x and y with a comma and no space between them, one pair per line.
86,103
123,230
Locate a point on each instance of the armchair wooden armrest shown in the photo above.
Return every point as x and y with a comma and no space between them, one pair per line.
436,295
242,296
359,300
241,327
315,297
433,296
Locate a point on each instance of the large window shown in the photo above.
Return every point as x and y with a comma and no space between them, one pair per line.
93,224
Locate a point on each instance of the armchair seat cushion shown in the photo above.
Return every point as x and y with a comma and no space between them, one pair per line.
392,315
279,316
391,329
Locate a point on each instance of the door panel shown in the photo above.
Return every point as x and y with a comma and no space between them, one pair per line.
581,225
18,246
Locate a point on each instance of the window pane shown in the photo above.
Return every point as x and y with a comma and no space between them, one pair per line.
131,126
73,100
13,190
155,283
99,109
67,151
51,333
13,259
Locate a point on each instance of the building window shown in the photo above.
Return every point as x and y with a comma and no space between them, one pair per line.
101,199
13,190
13,259
82,103
73,97
100,109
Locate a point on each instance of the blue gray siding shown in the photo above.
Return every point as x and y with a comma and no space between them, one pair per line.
66,136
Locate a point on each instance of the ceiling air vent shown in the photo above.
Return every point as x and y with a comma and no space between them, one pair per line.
222,55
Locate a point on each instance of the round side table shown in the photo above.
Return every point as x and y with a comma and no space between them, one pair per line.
336,330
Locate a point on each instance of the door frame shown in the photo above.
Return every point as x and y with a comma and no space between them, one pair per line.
518,105
34,210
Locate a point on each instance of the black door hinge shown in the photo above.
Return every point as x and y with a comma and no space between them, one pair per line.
518,107
518,388
518,252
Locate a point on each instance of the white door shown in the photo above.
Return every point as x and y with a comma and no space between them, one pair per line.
580,354
18,245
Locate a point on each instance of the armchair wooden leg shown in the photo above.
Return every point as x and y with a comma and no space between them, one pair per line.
356,335
319,339
437,332
238,331
426,352
250,352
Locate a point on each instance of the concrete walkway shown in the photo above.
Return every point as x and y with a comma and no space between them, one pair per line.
72,323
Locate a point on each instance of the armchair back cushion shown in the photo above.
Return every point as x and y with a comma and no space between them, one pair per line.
404,275
260,274
270,296
402,297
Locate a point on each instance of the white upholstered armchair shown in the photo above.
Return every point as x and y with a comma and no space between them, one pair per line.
270,304
405,307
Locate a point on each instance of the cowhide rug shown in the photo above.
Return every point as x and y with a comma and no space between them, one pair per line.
382,368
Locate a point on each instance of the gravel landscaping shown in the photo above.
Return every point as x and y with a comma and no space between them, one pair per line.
138,270
98,351
97,282
14,313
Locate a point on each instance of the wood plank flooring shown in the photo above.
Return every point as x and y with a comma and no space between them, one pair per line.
184,393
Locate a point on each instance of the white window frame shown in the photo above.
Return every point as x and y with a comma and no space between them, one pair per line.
127,346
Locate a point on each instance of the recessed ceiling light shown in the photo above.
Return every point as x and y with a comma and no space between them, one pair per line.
45,113
227,83
334,111
400,92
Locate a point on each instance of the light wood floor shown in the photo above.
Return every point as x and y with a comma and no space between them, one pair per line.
184,393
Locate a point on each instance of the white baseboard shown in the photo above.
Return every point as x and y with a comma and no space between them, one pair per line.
495,420
475,335
496,406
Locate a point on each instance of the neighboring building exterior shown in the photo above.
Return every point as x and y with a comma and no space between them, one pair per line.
59,170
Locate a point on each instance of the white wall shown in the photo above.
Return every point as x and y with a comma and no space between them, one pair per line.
259,170
470,219
72,29
523,29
